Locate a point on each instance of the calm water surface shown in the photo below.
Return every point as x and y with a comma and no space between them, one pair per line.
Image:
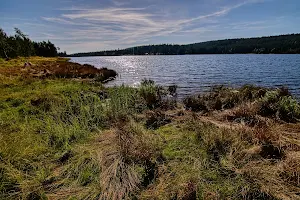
197,73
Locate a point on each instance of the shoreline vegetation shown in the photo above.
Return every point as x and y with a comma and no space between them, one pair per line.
38,67
62,137
281,44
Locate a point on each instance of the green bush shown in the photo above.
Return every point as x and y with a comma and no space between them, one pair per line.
150,93
195,104
279,103
251,92
268,104
289,109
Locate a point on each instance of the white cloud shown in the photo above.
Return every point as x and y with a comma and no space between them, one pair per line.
116,26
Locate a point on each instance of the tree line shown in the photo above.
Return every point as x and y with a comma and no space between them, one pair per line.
281,44
20,45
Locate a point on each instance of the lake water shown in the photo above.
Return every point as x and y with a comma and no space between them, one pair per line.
197,73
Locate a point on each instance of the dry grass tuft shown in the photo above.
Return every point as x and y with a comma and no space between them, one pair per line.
118,179
291,168
268,176
126,159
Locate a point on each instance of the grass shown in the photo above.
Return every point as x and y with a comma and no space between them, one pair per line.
70,139
36,67
34,60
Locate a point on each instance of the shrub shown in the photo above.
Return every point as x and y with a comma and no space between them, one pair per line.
289,109
195,104
172,89
279,103
245,113
150,93
221,97
268,103
230,100
156,119
251,92
156,96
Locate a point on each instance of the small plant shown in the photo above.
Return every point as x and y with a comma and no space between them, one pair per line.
195,104
291,168
156,119
251,92
289,109
278,103
150,93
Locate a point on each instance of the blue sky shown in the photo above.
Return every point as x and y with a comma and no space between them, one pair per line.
92,25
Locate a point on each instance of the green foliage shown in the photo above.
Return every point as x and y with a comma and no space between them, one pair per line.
150,93
65,139
157,96
198,164
45,49
276,103
279,103
289,109
21,45
124,101
156,119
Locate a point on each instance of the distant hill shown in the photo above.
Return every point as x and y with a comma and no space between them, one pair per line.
282,44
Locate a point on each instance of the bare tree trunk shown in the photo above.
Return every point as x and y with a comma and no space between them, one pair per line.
5,53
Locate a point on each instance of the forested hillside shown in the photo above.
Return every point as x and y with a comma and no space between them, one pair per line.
282,44
20,45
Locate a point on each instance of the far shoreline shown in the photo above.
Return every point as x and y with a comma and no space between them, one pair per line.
187,55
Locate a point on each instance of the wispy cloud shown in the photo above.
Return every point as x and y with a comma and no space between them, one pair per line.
119,26
119,3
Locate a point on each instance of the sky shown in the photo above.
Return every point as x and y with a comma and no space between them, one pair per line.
94,25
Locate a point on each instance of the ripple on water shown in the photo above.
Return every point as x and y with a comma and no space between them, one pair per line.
196,73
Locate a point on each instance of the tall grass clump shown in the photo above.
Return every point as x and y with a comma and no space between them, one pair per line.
124,101
119,162
156,96
39,129
150,93
74,114
274,103
221,97
198,163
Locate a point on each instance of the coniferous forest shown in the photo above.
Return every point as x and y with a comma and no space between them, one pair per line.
20,45
282,44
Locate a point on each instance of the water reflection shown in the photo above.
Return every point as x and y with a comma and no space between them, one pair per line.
196,73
